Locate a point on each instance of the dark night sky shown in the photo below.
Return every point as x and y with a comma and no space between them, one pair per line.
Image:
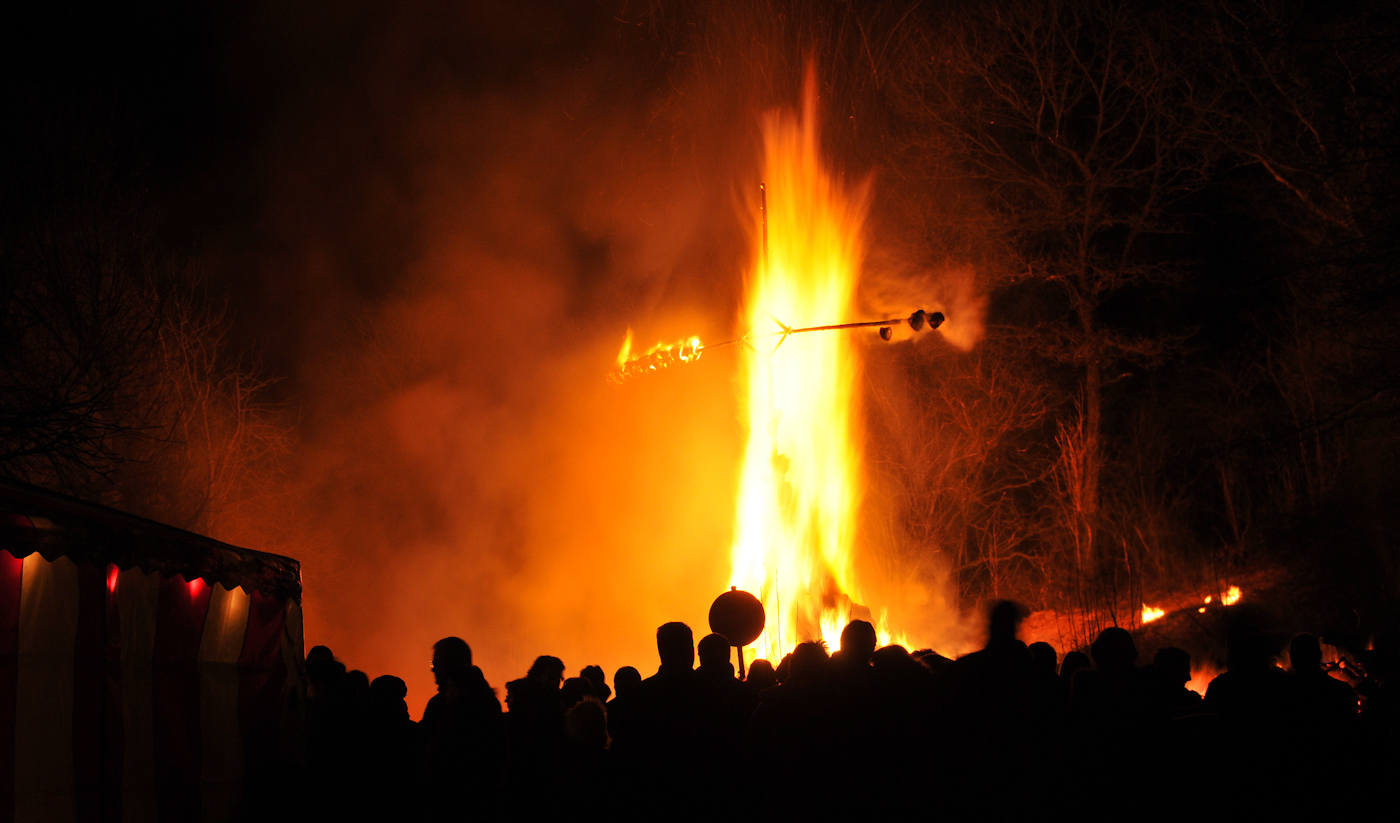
248,133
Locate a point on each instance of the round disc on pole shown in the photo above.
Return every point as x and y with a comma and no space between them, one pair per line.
738,616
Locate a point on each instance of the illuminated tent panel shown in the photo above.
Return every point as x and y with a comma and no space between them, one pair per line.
145,672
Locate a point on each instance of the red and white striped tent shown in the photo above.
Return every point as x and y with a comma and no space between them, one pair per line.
146,672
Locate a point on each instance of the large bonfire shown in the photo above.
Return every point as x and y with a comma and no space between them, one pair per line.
796,531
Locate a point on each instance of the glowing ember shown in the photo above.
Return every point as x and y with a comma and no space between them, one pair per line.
656,358
1231,597
801,483
1149,613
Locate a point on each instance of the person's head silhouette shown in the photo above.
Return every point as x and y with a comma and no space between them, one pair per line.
386,697
761,675
452,658
1073,662
858,642
1247,647
1114,650
626,680
808,659
574,690
1305,654
676,646
595,676
586,724
547,670
1043,655
1003,620
1174,664
714,652
322,671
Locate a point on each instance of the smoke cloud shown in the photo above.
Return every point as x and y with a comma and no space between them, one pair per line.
445,220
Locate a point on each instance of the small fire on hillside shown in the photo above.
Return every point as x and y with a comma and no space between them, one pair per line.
1231,596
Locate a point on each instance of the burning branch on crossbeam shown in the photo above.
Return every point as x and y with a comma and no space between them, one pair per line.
663,355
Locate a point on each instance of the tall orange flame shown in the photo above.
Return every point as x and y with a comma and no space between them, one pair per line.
801,483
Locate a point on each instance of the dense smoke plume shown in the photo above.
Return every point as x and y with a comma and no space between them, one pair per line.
465,212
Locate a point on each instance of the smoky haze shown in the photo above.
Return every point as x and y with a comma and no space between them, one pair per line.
438,225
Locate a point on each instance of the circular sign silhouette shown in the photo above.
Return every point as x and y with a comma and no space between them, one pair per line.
738,616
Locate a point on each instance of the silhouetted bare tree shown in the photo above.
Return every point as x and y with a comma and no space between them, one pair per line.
80,325
114,381
1078,126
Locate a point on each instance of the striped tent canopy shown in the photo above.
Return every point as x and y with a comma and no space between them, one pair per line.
146,672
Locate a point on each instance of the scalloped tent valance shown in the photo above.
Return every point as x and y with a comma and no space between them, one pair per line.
55,525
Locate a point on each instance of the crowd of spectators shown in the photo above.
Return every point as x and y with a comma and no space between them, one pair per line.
1007,730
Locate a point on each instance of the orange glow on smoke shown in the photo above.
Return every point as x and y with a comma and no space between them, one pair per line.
801,483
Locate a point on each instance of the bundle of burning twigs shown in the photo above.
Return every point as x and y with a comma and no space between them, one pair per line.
664,355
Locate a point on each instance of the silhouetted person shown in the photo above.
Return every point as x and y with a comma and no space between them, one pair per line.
789,746
906,719
586,766
1046,661
1044,657
627,679
784,668
760,676
1253,692
1253,699
330,737
356,685
392,753
536,726
1073,662
1111,710
850,716
322,672
714,657
937,665
586,725
858,641
1323,726
622,711
716,669
1380,714
1111,698
1000,711
678,724
1319,701
595,676
735,702
388,699
1171,671
463,736
574,690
